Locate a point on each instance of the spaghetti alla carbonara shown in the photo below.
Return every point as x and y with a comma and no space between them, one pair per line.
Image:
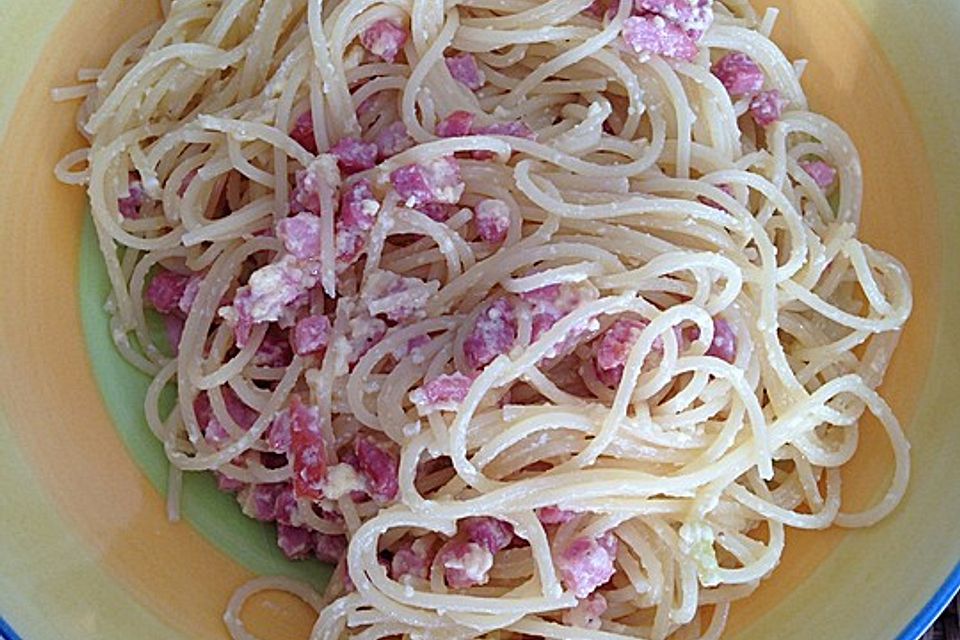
538,319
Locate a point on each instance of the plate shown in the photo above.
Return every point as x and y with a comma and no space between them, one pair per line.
85,547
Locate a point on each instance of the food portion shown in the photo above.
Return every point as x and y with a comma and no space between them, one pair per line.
535,319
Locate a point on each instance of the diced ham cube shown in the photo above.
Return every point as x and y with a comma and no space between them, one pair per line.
357,214
490,533
270,291
228,485
286,505
309,450
301,235
597,9
555,515
295,542
443,393
274,351
378,468
584,565
393,139
363,332
553,302
279,434
693,16
259,501
166,290
437,212
330,548
821,172
738,73
494,333
767,107
397,297
130,205
586,615
437,181
724,344
492,218
384,39
358,206
466,564
354,155
515,129
654,34
323,172
310,335
456,124
615,347
464,69
303,132
609,543
412,560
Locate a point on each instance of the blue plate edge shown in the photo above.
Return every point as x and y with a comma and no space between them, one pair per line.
934,607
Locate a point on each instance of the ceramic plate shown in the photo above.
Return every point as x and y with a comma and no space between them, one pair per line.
85,547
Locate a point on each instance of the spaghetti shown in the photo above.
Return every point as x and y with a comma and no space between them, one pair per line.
539,319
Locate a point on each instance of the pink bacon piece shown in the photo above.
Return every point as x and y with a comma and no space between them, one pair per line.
166,290
322,173
494,333
274,350
412,560
456,124
514,129
270,291
614,349
492,218
555,515
436,181
301,235
330,548
356,217
393,139
586,615
490,533
767,107
586,564
228,485
724,343
654,34
309,450
738,73
286,504
443,393
378,467
466,564
464,69
295,542
384,39
259,501
311,334
821,172
354,155
693,16
302,132
131,204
